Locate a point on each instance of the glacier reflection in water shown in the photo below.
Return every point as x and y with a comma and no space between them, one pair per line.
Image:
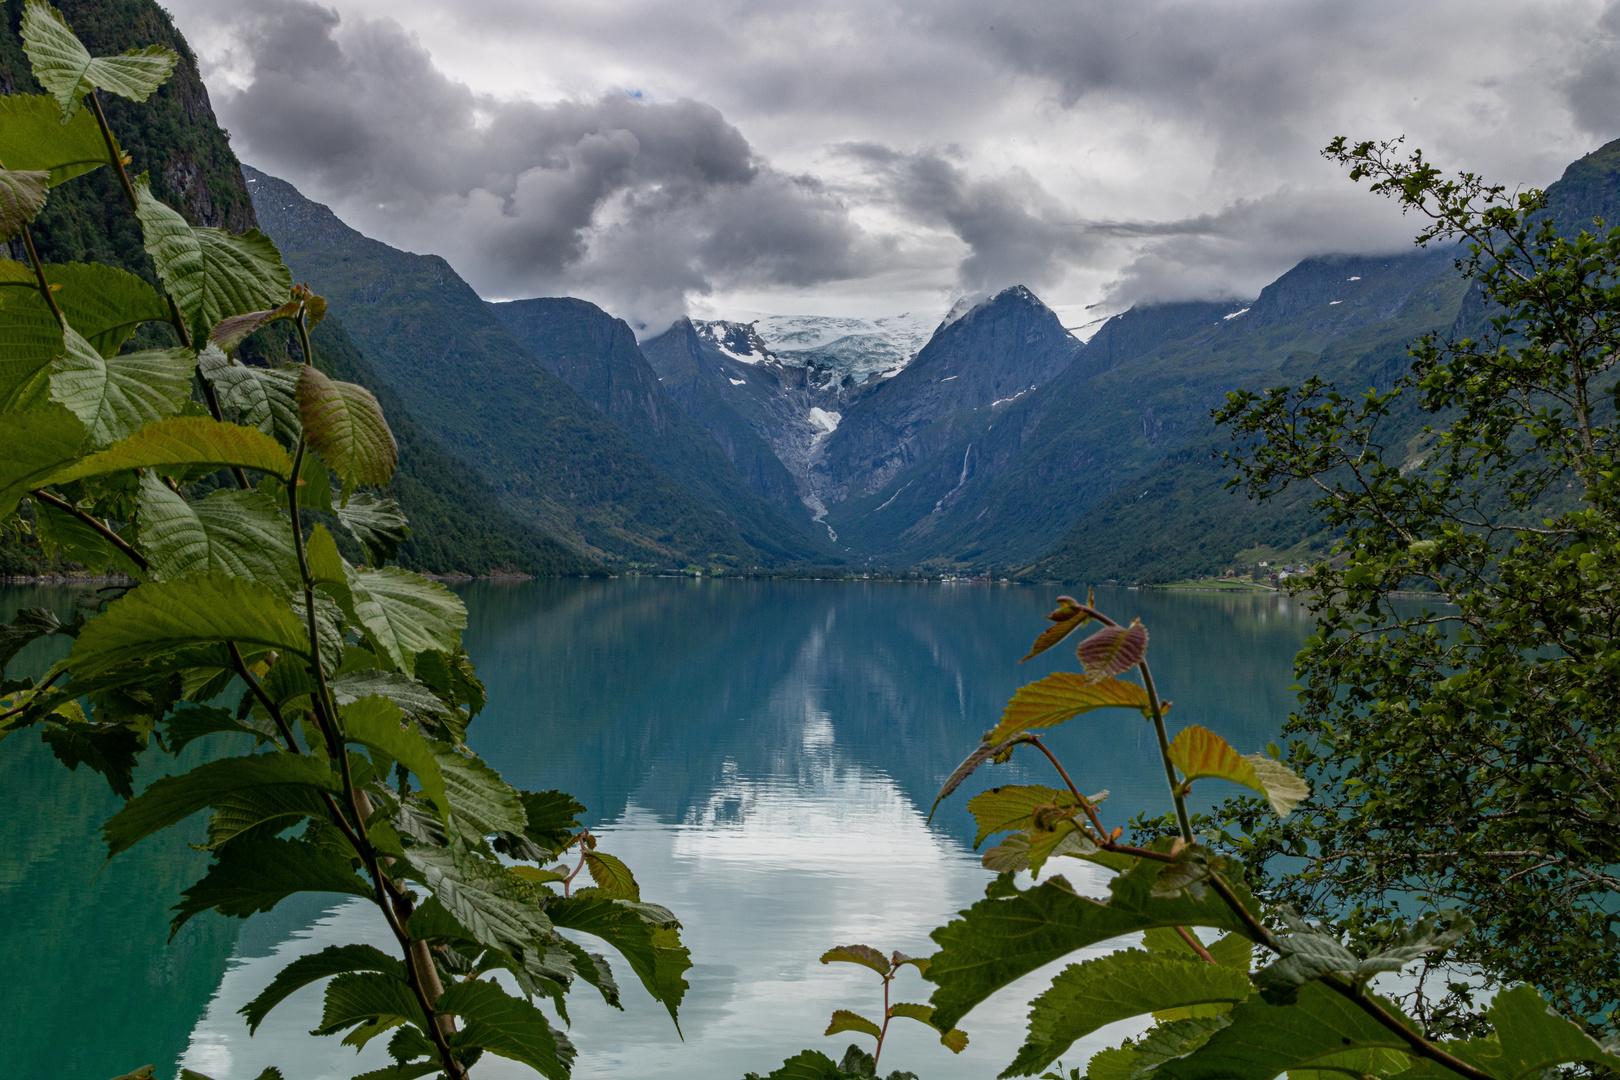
763,754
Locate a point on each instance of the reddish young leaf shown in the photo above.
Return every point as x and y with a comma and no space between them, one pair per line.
858,954
1112,650
1062,696
1068,617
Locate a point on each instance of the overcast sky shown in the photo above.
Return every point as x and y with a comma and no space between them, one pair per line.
869,157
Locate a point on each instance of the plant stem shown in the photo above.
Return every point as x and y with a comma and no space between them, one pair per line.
115,157
1192,943
39,275
1164,752
91,520
264,699
419,967
883,1032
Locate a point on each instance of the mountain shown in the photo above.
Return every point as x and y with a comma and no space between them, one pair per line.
551,456
597,355
458,525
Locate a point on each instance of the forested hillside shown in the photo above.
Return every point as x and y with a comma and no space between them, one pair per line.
459,526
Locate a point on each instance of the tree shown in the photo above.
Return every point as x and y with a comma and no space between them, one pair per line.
216,487
1465,749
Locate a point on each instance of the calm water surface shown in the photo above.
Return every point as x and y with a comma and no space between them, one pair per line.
762,754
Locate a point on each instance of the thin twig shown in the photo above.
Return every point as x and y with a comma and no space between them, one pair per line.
91,520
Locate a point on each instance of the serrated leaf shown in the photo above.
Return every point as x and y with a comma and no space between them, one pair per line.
332,960
1200,753
344,422
553,816
1060,697
612,876
1282,787
1231,951
858,954
30,339
806,1065
1008,808
649,943
103,303
1530,1038
239,534
233,331
283,805
29,624
982,753
183,442
263,398
844,1020
1263,1040
184,726
495,908
954,1039
371,1002
403,614
67,70
33,137
64,534
1068,617
162,616
376,523
412,697
377,723
39,443
1014,931
506,1026
108,749
1158,1045
172,799
480,801
209,273
1113,650
116,397
255,874
1089,995
22,196
1422,937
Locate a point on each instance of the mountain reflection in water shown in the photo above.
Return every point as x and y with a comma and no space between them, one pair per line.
763,754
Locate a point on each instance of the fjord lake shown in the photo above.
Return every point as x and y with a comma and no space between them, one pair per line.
763,754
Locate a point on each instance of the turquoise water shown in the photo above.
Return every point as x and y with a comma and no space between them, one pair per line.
763,754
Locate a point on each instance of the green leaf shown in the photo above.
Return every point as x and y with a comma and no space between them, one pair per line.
332,960
1068,617
344,422
33,136
108,749
506,1026
263,398
1014,931
1003,809
844,1020
209,273
953,1039
282,804
412,697
114,398
172,799
66,69
38,442
859,954
612,876
22,196
1158,1045
404,613
642,934
807,1065
184,726
1530,1038
64,534
30,339
480,801
378,723
494,906
1088,995
233,331
370,1001
1264,1040
255,874
234,533
1200,753
552,817
30,624
162,616
103,303
183,442
377,524
1113,650
1060,697
1232,951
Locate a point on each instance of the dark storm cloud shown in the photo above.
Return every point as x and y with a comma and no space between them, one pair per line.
1593,87
648,203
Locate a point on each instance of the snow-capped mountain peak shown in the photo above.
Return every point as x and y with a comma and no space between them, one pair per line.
738,340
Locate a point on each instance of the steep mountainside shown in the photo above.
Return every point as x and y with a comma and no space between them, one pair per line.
173,136
550,454
597,355
999,493
1179,522
995,354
